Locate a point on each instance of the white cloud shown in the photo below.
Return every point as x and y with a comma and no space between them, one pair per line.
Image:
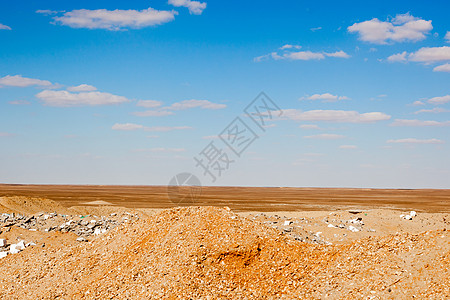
127,126
315,29
348,147
325,136
19,102
439,100
115,19
166,128
153,113
300,55
4,27
210,137
5,134
418,103
434,110
288,46
46,12
416,141
397,57
195,7
82,88
403,27
442,68
339,116
204,104
340,54
431,54
67,99
326,97
447,36
309,126
19,81
149,103
420,123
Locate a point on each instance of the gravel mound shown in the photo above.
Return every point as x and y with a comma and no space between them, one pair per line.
210,253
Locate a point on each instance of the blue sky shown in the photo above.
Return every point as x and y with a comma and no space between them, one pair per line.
130,92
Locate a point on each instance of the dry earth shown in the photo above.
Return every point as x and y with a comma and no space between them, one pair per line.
201,252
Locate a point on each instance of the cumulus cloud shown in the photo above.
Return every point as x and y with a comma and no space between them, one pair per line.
115,19
400,57
195,7
4,27
288,54
419,123
127,126
439,100
418,103
19,81
46,12
149,103
153,113
442,68
404,27
325,136
204,104
326,97
82,88
338,116
67,99
435,110
416,141
348,147
447,36
431,54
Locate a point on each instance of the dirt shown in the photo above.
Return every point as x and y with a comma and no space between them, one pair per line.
203,252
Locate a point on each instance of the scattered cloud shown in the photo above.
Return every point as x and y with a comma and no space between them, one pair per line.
152,136
204,104
309,126
400,57
82,88
5,134
195,7
4,27
416,141
288,46
19,81
434,110
19,102
315,29
418,103
127,126
67,99
442,68
153,113
299,55
419,123
166,150
431,54
47,12
210,137
339,116
439,100
149,103
447,36
325,136
348,147
115,19
402,28
326,97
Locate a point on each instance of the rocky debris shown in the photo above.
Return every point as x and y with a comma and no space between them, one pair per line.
409,216
83,226
6,249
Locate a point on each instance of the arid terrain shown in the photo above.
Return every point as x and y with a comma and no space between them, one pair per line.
124,242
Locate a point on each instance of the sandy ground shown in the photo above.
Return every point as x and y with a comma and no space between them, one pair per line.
356,251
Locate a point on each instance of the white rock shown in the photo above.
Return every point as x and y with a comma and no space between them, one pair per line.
331,226
407,217
287,223
2,242
353,229
412,213
3,254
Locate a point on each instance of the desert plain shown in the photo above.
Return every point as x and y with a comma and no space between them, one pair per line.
134,242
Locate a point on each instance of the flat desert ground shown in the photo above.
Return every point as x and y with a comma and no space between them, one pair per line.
134,242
